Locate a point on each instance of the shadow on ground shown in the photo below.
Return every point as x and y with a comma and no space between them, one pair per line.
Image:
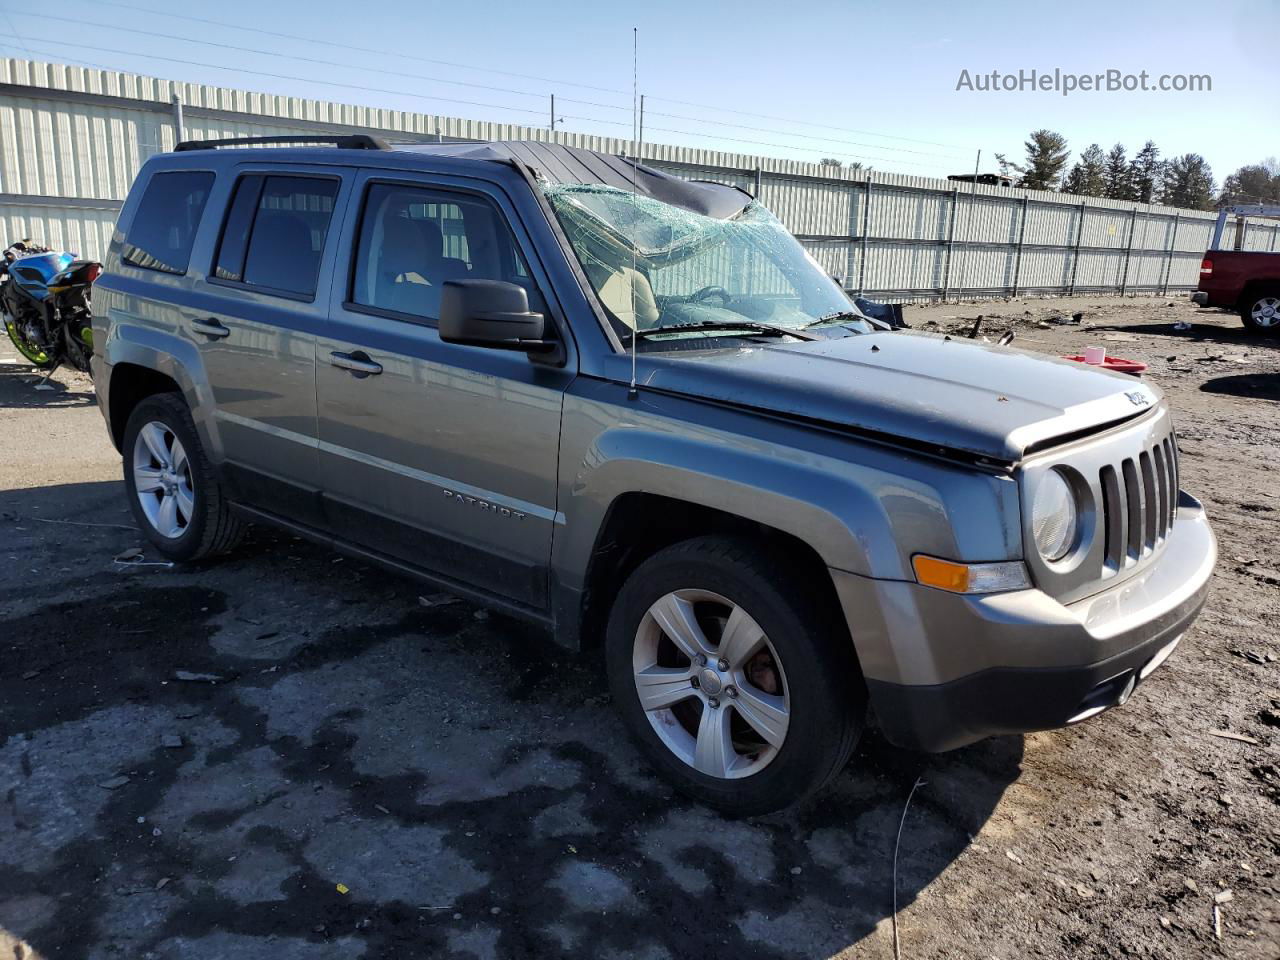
18,388
1250,386
1229,334
195,759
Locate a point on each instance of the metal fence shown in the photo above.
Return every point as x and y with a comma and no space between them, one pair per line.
72,140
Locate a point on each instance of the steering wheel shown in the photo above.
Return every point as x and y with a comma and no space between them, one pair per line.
712,291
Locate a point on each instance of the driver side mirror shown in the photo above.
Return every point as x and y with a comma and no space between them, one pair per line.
494,314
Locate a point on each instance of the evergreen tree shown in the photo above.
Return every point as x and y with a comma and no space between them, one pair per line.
1087,176
1256,183
1047,154
1119,184
1146,172
1188,182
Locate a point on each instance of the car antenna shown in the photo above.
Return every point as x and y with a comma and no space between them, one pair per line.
632,393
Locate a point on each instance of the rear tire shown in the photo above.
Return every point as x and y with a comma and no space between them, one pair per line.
1260,311
173,489
777,708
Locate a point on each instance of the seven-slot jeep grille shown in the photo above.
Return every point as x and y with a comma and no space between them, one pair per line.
1139,503
1126,482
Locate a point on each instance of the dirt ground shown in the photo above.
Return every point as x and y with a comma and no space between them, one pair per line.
286,754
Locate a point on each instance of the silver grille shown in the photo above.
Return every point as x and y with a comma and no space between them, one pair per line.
1139,504
1127,482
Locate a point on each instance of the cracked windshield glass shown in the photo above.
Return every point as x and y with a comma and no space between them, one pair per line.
663,270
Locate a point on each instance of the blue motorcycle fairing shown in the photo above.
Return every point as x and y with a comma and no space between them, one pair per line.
34,273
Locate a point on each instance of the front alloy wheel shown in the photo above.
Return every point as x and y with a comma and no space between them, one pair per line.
731,666
711,684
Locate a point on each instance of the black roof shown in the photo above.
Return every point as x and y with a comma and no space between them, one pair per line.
553,163
561,164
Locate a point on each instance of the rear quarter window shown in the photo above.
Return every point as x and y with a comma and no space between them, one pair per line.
164,226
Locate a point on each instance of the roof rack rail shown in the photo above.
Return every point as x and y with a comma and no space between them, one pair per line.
351,141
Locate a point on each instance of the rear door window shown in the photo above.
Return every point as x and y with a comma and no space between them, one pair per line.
275,232
164,227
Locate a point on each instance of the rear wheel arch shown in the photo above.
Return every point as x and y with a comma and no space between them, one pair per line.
132,383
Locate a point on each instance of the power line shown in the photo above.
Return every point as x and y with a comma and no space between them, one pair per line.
480,86
344,45
382,52
289,56
277,76
493,106
810,123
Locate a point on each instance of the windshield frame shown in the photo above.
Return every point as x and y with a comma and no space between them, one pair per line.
810,281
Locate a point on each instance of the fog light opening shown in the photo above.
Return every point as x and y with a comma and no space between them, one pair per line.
1109,693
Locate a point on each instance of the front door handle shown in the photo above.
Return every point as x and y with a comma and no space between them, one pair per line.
358,363
210,328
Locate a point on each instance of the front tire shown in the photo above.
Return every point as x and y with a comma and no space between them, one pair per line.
173,490
1260,311
734,674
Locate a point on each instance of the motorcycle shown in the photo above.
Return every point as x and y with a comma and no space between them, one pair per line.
44,304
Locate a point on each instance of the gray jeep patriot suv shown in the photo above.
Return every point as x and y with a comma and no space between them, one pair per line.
633,409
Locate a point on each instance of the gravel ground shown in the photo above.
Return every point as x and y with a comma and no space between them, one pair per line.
286,754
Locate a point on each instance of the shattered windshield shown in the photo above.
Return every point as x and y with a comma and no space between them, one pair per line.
657,267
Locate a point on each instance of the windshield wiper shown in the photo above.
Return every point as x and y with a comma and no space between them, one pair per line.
714,325
844,316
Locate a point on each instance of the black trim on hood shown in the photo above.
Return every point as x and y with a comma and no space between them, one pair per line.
933,451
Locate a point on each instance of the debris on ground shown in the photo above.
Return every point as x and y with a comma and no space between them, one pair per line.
1228,735
114,783
192,676
437,600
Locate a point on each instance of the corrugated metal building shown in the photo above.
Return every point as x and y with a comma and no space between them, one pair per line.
72,140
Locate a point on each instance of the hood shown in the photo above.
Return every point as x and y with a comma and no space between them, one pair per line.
956,394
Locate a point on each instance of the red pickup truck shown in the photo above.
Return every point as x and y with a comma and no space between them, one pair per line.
1243,281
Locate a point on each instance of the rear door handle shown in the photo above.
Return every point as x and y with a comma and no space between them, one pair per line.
358,363
210,328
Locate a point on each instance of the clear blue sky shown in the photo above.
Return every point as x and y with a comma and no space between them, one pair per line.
865,81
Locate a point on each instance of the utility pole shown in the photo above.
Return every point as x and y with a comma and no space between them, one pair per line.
641,119
176,100
553,113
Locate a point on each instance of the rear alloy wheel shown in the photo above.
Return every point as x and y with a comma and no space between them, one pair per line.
173,490
1261,312
734,675
162,480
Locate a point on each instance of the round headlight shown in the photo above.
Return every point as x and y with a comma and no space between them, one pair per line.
1053,516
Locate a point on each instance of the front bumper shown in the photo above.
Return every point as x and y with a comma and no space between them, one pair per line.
1199,297
944,670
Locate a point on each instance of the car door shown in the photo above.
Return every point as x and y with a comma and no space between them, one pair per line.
265,294
434,453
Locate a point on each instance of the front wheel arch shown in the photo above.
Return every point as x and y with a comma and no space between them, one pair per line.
638,525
